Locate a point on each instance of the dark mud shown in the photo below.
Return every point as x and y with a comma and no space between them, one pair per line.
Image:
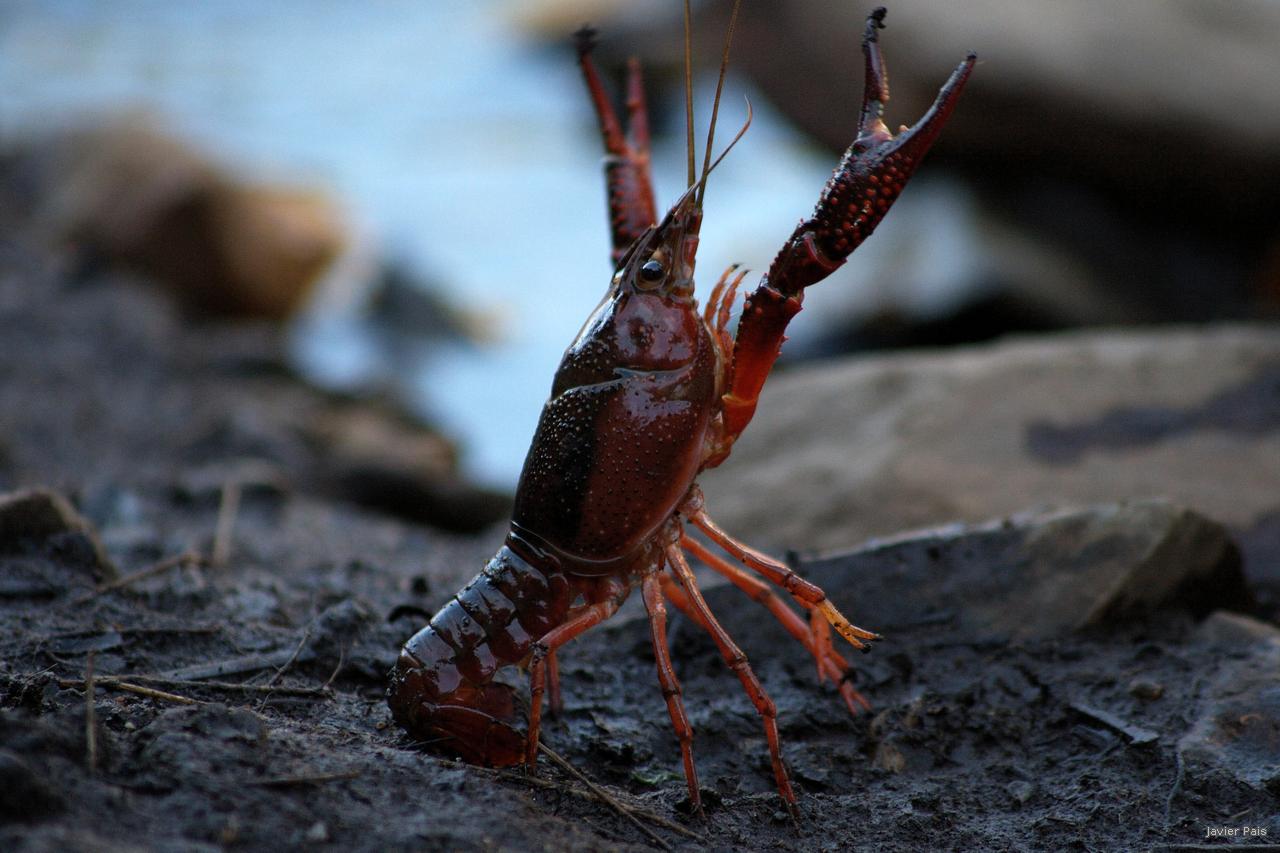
271,730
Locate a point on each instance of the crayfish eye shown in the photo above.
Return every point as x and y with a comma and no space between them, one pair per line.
652,270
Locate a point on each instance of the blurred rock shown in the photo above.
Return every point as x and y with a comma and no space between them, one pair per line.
1135,144
129,193
371,453
870,446
1042,575
945,270
28,796
37,521
1238,731
1224,628
1090,91
219,398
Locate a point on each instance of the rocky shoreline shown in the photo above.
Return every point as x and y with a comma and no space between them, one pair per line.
198,619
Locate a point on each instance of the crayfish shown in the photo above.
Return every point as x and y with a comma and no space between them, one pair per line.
650,394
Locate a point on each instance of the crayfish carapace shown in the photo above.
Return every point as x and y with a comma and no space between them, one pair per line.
650,394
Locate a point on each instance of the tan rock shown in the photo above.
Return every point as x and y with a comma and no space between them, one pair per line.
149,201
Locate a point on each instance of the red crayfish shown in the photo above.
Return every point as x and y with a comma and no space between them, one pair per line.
650,394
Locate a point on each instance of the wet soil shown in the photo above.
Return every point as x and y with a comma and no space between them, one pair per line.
267,726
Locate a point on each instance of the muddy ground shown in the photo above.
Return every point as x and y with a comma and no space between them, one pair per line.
266,727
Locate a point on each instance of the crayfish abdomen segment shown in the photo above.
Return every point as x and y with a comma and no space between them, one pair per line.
442,688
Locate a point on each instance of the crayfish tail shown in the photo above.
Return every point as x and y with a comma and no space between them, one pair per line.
478,725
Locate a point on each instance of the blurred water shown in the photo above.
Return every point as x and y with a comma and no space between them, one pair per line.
469,153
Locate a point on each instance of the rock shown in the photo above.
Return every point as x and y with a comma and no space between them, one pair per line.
27,796
1020,791
1238,730
1223,628
36,520
1037,575
133,194
1107,86
372,454
1146,689
869,446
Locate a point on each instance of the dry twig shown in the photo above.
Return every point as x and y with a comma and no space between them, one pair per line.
90,716
603,795
306,779
228,507
226,686
284,667
153,693
185,558
585,794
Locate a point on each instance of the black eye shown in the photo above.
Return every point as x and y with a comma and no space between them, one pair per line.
652,270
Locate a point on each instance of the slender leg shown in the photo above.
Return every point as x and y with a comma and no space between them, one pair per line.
626,164
676,595
800,589
868,180
553,685
737,662
606,599
815,636
652,591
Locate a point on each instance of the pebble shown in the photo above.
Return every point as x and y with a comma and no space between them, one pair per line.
1020,791
1145,688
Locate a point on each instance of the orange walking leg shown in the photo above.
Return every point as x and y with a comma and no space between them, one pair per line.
737,662
606,599
652,591
815,636
801,590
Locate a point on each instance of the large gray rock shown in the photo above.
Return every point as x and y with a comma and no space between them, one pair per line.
1038,575
870,446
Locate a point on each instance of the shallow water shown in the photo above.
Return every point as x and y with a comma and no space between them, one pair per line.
459,148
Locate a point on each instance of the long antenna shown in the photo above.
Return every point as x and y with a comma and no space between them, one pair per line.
715,105
688,88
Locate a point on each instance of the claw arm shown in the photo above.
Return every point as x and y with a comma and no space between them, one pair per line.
868,180
626,163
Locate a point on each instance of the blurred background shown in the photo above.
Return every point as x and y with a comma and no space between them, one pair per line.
411,193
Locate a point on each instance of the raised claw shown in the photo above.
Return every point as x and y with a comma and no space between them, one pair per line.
870,176
868,180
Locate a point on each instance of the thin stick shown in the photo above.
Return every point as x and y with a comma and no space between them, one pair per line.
153,694
585,794
90,715
688,88
227,509
715,105
312,779
602,794
164,565
342,661
235,666
307,692
306,635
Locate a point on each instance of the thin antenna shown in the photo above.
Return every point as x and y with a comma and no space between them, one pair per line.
688,88
746,124
715,105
